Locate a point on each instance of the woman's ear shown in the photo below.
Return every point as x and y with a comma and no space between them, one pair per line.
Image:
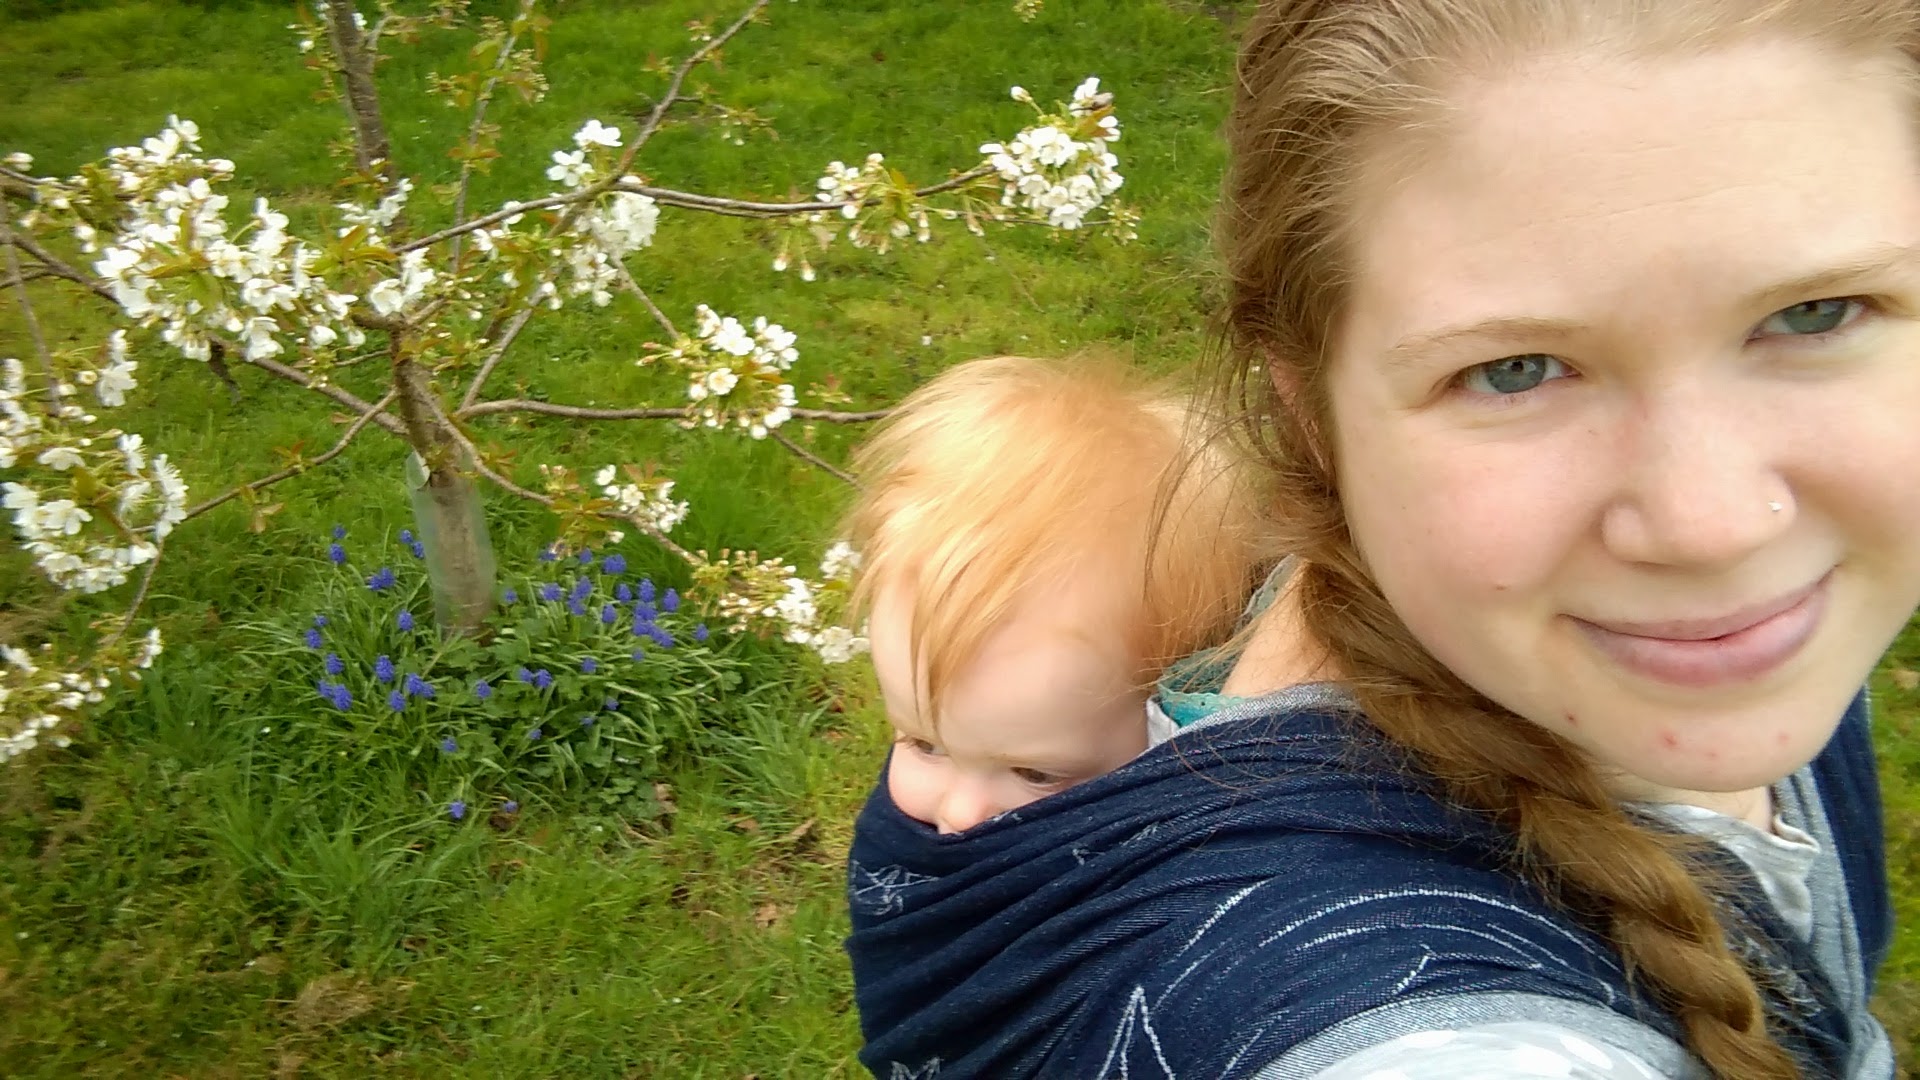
1294,408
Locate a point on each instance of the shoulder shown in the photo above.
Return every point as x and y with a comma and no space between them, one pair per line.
1508,1050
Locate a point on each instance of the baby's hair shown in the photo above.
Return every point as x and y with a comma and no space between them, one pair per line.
1010,472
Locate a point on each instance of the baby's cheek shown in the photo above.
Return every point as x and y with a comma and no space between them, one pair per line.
910,787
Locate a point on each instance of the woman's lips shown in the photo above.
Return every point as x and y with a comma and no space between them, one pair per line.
1712,652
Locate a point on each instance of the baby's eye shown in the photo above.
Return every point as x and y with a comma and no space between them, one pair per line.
920,746
1039,778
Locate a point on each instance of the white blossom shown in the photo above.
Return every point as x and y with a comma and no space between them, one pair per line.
594,133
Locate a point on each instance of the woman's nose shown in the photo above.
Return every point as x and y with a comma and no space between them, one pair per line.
1701,487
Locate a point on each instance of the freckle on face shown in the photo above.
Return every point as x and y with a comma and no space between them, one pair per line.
1572,720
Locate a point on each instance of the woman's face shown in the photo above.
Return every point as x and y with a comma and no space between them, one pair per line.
1627,401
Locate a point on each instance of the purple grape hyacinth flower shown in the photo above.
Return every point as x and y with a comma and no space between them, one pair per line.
523,674
448,746
417,686
644,612
577,609
320,621
700,632
381,580
670,602
313,638
405,622
609,614
587,720
623,593
615,564
334,664
336,695
457,809
549,591
336,554
549,555
589,666
542,679
585,556
510,807
397,701
534,735
611,704
639,655
646,590
483,689
339,532
406,537
582,589
383,668
511,596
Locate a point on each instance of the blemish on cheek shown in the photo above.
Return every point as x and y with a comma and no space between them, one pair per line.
1780,739
1572,720
1669,740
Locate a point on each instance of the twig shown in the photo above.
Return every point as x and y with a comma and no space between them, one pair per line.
60,269
54,396
139,597
359,405
686,200
291,471
634,286
31,273
499,352
659,113
479,116
579,412
812,459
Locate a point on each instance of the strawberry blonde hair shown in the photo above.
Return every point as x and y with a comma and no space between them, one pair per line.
1008,473
1328,90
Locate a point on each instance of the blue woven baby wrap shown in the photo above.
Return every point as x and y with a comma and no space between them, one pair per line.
1244,886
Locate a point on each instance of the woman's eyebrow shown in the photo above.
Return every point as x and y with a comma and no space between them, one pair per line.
1821,284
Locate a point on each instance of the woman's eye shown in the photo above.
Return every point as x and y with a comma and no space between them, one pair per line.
1812,318
1040,779
1513,374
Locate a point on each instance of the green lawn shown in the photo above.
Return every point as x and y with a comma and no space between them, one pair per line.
174,903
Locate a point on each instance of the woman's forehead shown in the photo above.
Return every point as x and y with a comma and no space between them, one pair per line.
1579,187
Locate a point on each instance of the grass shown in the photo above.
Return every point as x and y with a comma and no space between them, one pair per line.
170,904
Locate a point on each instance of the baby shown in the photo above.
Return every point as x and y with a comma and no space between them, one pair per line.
1040,540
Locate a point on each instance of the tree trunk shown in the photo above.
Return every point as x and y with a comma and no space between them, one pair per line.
446,504
451,524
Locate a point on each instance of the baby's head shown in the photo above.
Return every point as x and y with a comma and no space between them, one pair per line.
1040,538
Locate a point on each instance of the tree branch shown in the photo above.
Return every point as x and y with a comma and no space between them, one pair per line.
499,352
810,458
139,597
59,268
291,471
371,149
634,287
659,113
386,421
54,396
579,412
479,117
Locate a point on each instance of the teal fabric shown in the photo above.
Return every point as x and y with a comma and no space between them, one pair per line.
1189,690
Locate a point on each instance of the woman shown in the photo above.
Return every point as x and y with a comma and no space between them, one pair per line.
1583,339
